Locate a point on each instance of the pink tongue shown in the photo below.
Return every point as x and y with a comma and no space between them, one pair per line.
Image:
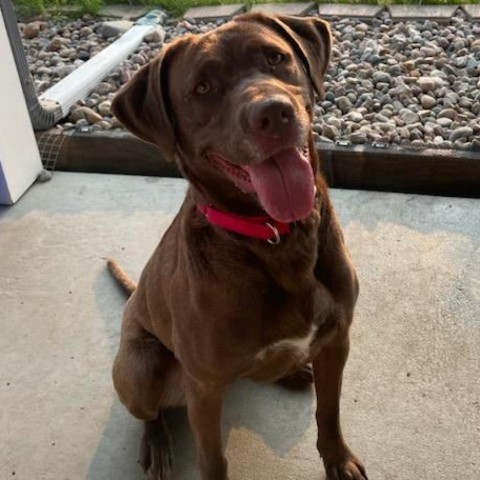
285,185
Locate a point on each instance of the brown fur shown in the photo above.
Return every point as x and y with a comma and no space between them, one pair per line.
212,306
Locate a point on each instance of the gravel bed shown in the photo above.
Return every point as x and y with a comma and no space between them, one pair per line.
405,83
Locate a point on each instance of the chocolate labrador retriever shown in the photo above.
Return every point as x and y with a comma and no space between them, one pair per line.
252,279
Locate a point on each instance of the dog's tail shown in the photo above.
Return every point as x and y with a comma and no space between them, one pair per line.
121,277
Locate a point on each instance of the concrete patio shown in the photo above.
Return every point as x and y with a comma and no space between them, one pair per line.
411,403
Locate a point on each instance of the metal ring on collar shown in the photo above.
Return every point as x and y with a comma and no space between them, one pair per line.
276,240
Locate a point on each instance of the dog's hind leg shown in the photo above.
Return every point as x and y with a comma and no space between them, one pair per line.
147,378
146,374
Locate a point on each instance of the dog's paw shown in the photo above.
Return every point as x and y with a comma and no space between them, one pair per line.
155,455
349,468
299,380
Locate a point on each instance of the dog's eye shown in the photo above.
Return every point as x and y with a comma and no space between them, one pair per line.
203,87
275,58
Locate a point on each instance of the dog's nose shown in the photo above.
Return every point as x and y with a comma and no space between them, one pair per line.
272,116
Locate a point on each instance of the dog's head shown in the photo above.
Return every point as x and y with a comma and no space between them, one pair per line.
234,107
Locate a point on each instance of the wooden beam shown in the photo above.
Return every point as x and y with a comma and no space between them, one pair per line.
426,171
394,169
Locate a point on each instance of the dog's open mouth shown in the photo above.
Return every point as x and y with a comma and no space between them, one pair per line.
284,183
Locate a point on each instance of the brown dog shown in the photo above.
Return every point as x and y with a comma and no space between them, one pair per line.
252,279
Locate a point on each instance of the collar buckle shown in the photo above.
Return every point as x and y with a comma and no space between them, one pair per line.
274,229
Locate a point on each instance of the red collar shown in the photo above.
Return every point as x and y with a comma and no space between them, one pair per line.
261,227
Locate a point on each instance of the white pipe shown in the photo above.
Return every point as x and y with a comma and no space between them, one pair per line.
83,80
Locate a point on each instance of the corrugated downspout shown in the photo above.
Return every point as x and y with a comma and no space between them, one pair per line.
43,116
56,102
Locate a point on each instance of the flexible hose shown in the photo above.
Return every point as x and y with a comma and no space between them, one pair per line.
43,115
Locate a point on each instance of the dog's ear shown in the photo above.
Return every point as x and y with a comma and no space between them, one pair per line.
143,104
311,39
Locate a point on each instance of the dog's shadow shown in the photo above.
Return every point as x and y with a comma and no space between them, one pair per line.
266,412
262,410
280,418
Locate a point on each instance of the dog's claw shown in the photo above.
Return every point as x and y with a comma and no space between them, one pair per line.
349,468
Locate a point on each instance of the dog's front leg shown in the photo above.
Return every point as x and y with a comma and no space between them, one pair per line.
339,461
204,404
